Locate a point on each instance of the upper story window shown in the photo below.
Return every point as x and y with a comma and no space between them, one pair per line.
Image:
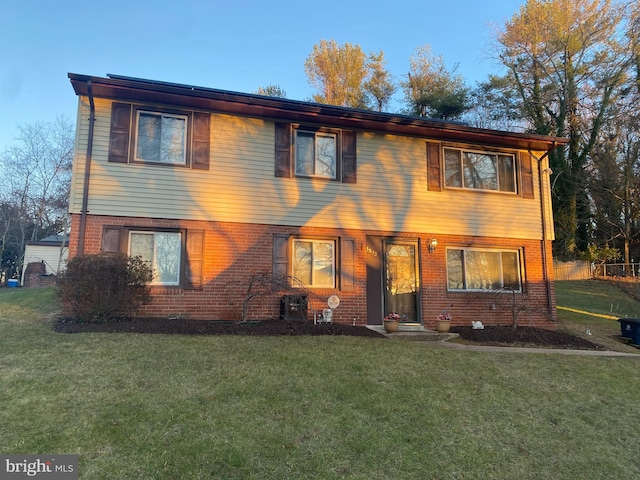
161,138
316,154
483,269
480,170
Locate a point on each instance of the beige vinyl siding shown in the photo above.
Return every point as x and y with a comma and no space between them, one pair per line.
77,170
391,193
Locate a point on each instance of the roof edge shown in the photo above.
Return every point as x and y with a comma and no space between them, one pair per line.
119,86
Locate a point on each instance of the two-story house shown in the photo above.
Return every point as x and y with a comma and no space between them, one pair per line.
390,213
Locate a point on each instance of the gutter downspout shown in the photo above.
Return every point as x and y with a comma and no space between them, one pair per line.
545,265
87,171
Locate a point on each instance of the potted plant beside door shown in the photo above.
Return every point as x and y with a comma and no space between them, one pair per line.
391,322
443,323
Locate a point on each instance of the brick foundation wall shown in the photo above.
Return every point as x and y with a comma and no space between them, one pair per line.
234,251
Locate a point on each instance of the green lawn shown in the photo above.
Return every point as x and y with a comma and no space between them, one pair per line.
164,407
594,305
596,296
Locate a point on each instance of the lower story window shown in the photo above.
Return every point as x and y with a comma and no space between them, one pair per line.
483,269
162,250
314,262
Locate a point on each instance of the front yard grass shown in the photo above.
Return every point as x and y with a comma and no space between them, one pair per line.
593,306
171,406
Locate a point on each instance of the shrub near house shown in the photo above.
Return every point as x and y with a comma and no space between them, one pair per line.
102,288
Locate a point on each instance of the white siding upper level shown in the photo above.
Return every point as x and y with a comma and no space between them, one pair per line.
391,193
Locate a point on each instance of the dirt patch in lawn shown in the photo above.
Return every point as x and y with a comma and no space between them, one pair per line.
523,337
490,335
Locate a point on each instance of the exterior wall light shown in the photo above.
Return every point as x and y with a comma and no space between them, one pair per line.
433,245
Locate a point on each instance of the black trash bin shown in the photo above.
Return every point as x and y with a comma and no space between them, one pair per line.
293,307
630,328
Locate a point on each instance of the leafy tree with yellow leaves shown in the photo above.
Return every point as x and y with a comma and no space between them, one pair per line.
345,76
568,61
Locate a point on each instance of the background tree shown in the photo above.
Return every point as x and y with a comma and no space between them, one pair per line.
338,73
614,181
34,193
433,91
614,186
12,236
272,91
380,85
567,63
345,76
495,105
633,34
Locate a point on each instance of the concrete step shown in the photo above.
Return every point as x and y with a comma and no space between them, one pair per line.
411,327
414,332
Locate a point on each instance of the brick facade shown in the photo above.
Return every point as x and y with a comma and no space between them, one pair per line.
234,251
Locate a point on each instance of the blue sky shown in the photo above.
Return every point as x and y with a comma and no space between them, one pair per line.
236,45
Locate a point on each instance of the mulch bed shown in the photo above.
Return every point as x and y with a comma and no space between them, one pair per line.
490,335
214,327
523,337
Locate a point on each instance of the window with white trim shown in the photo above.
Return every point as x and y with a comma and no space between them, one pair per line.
314,262
162,250
316,154
161,138
472,269
480,170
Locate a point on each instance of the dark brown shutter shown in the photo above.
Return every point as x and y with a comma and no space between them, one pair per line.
280,256
526,174
349,166
434,177
195,259
200,151
120,132
348,265
283,150
111,239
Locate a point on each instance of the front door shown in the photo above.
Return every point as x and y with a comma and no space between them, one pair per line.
400,277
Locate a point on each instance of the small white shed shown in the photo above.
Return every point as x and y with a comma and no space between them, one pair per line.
51,251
